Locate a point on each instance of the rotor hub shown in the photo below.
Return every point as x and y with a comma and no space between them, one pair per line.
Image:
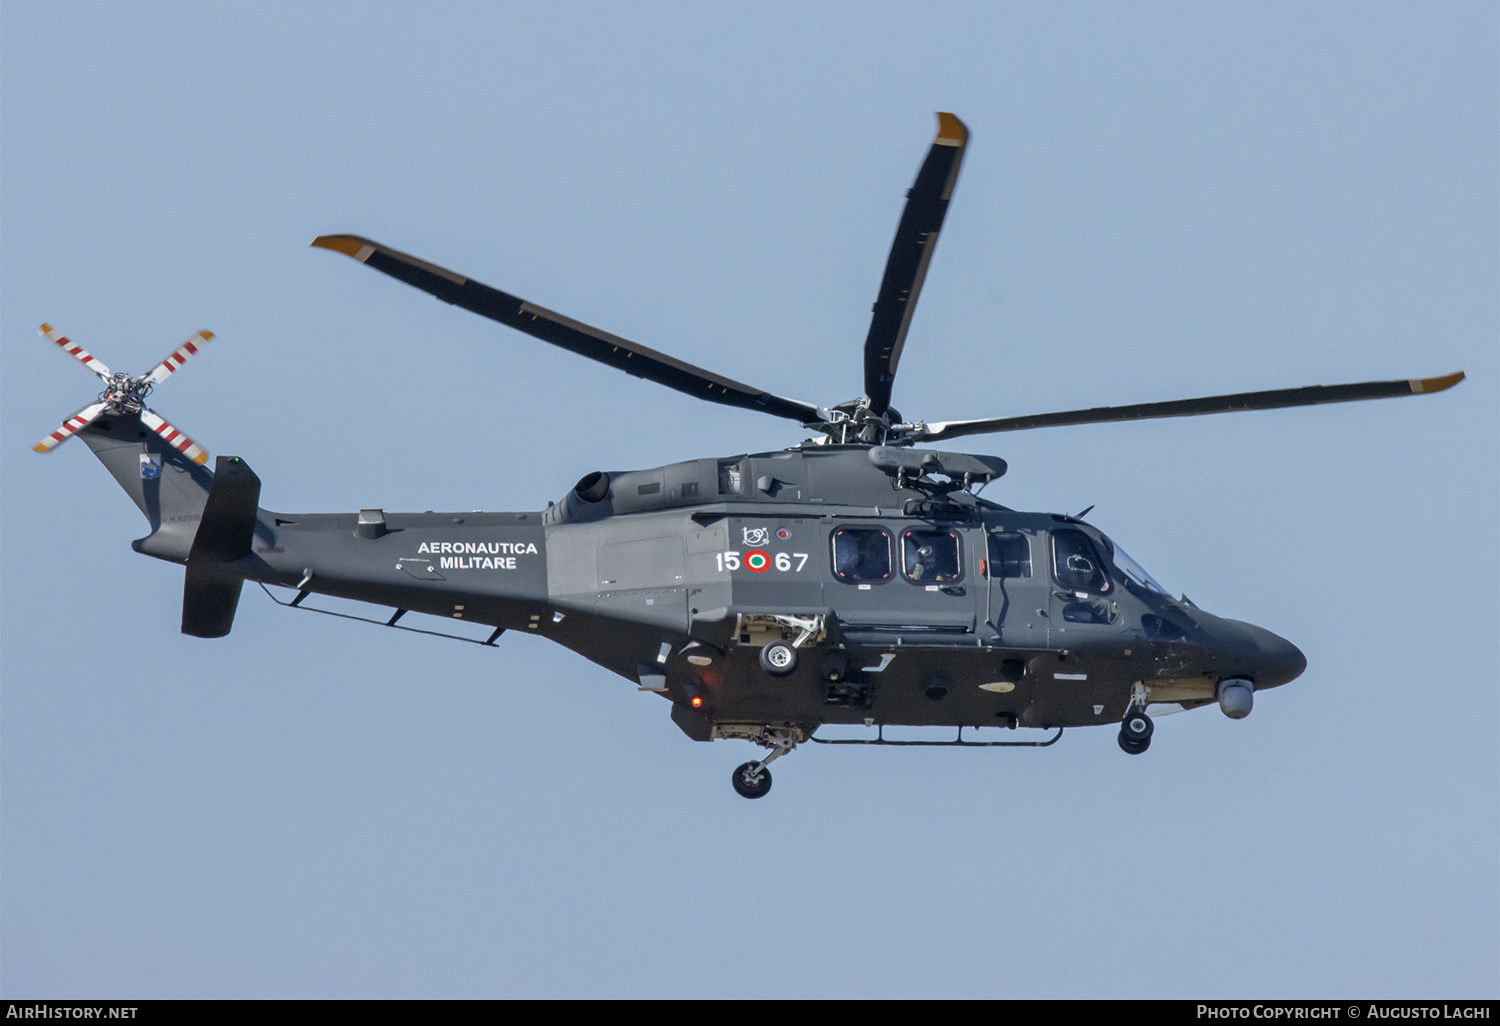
126,394
854,422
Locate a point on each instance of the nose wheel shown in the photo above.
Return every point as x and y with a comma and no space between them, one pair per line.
1135,731
751,780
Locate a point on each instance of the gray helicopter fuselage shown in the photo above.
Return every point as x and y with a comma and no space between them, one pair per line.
924,604
763,595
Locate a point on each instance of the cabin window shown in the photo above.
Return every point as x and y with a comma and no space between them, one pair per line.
931,557
1076,562
1010,556
861,554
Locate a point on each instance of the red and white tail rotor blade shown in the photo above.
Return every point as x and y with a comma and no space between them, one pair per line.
75,350
179,356
176,439
71,426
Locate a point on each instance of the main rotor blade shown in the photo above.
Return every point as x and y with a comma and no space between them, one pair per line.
194,343
911,252
1274,399
75,350
574,336
71,426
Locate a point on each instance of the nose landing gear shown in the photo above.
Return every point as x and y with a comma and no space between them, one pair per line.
752,779
1136,727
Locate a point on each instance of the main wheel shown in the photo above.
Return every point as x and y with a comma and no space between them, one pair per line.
1133,747
1136,726
778,659
750,784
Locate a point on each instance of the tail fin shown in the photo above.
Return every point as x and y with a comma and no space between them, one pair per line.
168,487
201,518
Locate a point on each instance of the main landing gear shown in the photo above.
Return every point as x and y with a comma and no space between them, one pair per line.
778,658
779,635
752,779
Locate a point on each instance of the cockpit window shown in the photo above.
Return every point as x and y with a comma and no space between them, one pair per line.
1010,556
861,554
1134,571
1076,562
1161,629
931,557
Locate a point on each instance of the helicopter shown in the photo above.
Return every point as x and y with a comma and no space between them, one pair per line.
854,579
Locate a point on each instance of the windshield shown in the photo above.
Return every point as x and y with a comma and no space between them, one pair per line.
1135,572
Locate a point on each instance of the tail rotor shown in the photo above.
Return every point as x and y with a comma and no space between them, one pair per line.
76,351
70,427
176,439
125,395
195,342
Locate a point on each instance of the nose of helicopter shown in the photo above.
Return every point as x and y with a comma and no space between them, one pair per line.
1275,660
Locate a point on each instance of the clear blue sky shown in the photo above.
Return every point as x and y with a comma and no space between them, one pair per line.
1159,201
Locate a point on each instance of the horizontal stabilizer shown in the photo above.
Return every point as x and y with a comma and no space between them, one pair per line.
209,599
210,595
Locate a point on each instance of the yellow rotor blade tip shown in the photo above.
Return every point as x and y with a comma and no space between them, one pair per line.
1438,384
349,245
951,129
